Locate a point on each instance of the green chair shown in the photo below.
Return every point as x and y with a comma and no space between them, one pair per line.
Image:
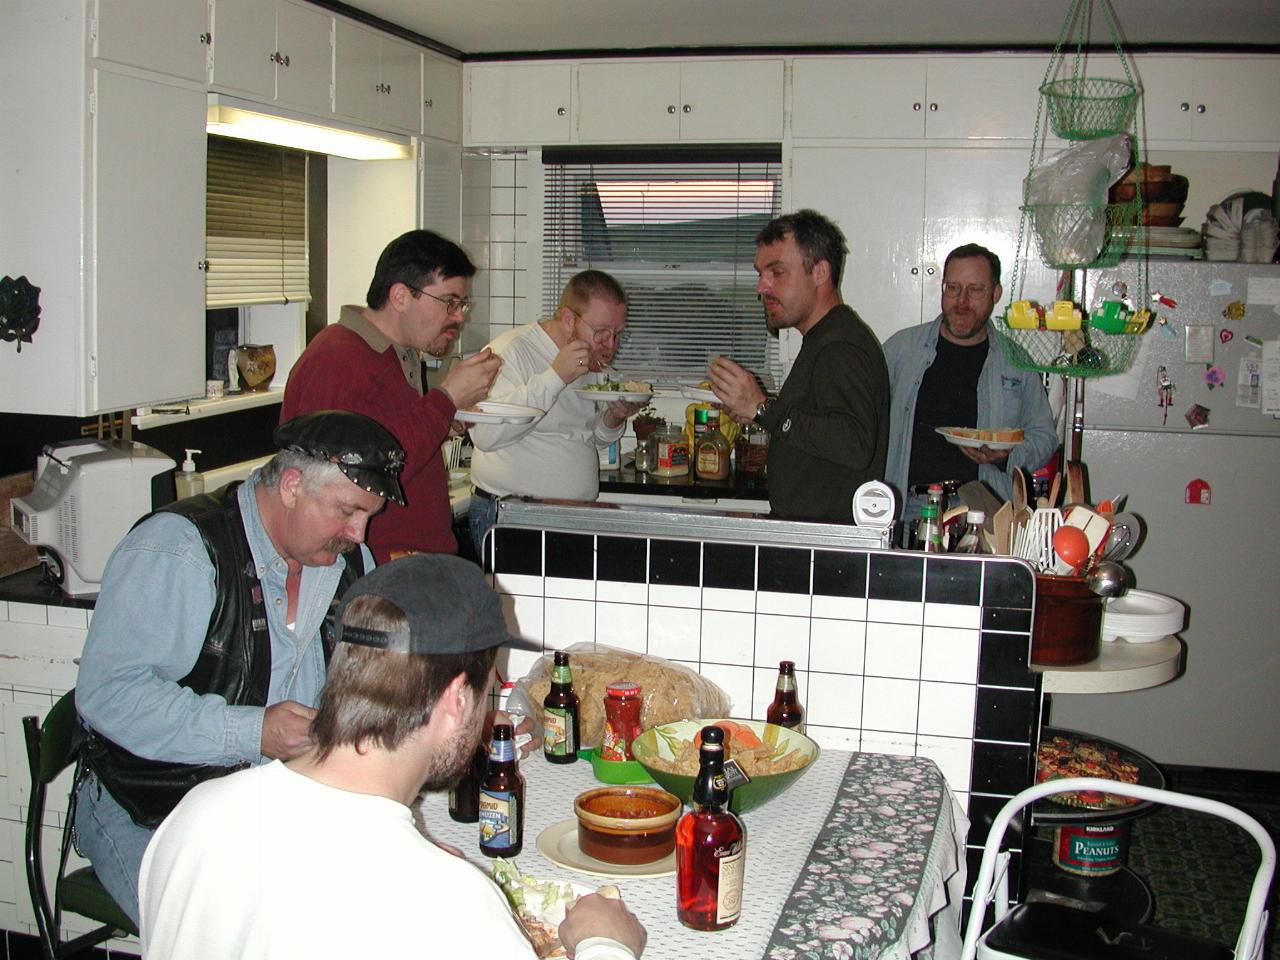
49,752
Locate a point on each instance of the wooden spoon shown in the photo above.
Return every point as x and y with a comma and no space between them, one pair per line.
1054,488
1075,482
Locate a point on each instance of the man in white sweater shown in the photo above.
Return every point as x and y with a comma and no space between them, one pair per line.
319,857
543,364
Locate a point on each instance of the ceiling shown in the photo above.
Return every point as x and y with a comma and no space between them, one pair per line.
476,28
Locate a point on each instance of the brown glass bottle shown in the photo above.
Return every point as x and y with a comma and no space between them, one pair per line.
502,799
711,846
560,712
464,797
786,711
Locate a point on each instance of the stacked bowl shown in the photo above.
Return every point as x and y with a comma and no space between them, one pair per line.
1163,193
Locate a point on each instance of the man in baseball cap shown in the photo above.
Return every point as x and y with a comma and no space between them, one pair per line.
206,651
403,710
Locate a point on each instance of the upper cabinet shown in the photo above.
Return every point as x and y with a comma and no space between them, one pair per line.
441,98
166,36
519,103
274,51
377,79
899,98
1211,100
661,101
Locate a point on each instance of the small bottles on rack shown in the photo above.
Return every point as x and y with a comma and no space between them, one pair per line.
970,539
711,846
786,711
929,530
502,799
560,709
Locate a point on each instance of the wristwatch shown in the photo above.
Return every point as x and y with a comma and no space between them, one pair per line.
761,408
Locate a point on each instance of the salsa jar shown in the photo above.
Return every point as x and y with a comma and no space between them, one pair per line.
671,452
622,706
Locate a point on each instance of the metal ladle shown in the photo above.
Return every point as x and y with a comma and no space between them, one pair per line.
1107,579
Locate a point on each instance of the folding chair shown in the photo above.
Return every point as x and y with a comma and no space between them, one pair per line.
1052,931
49,752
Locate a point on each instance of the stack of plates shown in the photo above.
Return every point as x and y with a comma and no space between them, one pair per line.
1140,616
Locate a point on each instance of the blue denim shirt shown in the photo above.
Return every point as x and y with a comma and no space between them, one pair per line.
150,621
1007,397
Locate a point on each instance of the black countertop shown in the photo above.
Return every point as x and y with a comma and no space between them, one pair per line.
627,480
30,586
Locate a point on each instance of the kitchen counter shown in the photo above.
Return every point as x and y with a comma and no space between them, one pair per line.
626,479
30,586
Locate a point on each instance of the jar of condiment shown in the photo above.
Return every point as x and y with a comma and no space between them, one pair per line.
711,450
751,450
622,706
671,452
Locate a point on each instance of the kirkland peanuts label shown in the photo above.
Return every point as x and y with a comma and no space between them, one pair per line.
498,820
1090,851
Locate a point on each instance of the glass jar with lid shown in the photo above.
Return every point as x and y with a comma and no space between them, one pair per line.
670,452
751,450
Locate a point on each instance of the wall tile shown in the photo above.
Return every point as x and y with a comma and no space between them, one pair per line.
676,562
784,570
953,581
839,573
664,595
570,555
949,654
1001,768
895,611
621,558
833,699
728,637
786,604
893,650
716,599
517,551
518,583
880,741
675,633
1007,584
890,706
734,680
28,612
953,756
952,615
1009,619
894,577
839,608
729,566
76,618
1003,659
622,625
1006,715
837,646
615,591
566,622
782,638
947,709
569,589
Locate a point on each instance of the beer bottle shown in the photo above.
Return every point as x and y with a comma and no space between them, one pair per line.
786,711
711,846
502,799
560,711
464,796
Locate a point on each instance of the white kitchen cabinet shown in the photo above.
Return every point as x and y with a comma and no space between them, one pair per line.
665,101
105,214
901,98
274,52
518,104
903,210
1211,99
377,79
441,98
167,36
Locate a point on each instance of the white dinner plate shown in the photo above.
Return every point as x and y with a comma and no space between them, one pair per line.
962,441
1141,616
608,396
490,411
699,394
559,844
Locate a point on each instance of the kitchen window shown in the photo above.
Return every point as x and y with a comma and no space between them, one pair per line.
255,224
677,229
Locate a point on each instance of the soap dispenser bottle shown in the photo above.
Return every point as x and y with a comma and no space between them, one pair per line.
188,482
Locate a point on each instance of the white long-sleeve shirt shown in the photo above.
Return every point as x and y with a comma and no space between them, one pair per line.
554,456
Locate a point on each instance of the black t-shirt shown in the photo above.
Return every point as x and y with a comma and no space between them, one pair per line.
948,397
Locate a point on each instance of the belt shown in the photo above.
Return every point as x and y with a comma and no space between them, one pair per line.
484,494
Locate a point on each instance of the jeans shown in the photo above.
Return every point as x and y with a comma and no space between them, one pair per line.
483,515
112,842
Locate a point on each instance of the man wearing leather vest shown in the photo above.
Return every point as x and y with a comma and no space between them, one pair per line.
207,649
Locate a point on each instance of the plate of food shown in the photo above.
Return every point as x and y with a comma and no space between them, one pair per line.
997,438
699,392
539,906
632,391
559,844
1067,755
490,411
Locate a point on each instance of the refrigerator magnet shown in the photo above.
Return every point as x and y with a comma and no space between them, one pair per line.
1198,345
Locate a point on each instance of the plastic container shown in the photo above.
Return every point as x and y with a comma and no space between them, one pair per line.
1067,628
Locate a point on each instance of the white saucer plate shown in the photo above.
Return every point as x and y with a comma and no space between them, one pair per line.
608,396
559,844
962,441
490,411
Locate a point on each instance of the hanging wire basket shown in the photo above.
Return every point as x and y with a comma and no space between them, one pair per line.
1086,108
1076,353
1074,235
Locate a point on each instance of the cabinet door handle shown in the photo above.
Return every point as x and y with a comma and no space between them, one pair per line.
687,108
1184,107
671,108
933,108
286,59
560,111
1199,108
917,105
427,103
930,271
915,271
202,265
206,38
386,88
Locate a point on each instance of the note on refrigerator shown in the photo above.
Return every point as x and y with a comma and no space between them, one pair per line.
1271,377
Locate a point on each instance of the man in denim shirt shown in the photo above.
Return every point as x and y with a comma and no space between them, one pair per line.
205,653
973,385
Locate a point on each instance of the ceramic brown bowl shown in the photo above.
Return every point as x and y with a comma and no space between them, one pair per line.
627,825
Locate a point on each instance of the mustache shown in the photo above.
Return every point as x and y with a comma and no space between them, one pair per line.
338,545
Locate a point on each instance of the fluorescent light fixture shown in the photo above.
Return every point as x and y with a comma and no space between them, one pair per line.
229,117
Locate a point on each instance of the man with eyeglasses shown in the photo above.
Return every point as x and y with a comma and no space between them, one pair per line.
556,455
951,373
370,362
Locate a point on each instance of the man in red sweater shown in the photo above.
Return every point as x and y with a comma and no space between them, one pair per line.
369,362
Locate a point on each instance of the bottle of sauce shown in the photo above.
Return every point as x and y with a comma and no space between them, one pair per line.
711,846
711,450
502,799
464,796
560,710
786,711
970,540
929,530
622,706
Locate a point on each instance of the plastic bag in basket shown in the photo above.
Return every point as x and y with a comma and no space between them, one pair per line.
671,691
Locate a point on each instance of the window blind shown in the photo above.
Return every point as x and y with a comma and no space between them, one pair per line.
255,224
678,232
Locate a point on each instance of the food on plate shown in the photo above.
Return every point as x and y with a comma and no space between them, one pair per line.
994,435
754,756
1061,756
539,906
620,386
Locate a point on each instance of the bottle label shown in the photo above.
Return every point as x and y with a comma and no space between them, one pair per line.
499,819
561,673
501,751
733,862
557,733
